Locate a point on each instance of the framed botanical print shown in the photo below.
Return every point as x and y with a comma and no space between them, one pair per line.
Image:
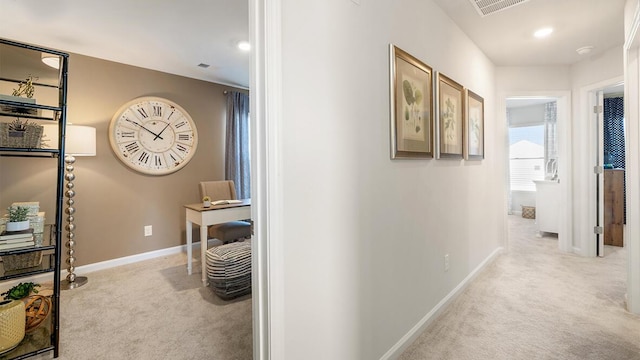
411,103
450,117
474,127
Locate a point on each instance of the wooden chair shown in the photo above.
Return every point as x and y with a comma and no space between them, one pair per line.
229,231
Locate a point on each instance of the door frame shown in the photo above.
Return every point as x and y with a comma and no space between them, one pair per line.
266,187
586,218
563,101
632,116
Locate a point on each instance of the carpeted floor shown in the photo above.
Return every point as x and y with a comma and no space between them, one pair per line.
535,302
153,310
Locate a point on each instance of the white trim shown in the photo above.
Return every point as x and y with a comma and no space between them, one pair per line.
109,264
266,186
585,219
632,117
398,348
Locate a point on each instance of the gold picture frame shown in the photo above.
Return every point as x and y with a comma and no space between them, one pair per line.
411,103
451,110
474,127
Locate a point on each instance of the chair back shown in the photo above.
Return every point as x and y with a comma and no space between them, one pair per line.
218,190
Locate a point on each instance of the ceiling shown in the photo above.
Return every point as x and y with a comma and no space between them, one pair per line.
165,35
506,37
175,36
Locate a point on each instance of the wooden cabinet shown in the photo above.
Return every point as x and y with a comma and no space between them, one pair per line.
547,205
613,207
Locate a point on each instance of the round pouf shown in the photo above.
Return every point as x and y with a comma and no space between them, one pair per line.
229,269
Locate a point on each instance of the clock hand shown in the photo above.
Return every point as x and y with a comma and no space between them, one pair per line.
161,131
157,135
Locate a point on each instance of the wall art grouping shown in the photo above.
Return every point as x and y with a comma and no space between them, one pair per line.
456,112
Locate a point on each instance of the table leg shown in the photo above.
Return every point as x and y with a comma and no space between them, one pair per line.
189,243
203,253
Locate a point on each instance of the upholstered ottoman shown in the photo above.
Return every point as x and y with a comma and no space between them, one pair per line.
229,269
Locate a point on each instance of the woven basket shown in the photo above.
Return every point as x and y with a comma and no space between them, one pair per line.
22,261
29,138
12,324
528,212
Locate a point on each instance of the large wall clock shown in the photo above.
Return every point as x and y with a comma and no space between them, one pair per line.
153,135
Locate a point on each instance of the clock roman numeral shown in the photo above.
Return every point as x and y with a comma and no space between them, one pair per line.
144,157
127,134
132,147
180,124
170,115
183,137
181,147
143,112
157,160
157,110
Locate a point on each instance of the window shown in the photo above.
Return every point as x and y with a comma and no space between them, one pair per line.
526,157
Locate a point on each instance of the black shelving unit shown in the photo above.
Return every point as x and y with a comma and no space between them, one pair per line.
45,338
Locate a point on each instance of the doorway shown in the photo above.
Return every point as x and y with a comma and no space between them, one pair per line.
611,189
539,157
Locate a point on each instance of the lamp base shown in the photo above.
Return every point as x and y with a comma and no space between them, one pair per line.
68,285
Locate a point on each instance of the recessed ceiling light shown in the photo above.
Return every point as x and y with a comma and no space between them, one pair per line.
544,32
244,45
584,50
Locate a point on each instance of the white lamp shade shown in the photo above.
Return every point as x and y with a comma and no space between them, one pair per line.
51,60
80,140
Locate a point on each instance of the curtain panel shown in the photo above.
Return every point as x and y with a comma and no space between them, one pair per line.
237,151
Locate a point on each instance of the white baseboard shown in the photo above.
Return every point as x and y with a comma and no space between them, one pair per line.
397,349
108,264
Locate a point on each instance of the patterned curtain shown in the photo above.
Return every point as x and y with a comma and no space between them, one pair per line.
614,132
237,162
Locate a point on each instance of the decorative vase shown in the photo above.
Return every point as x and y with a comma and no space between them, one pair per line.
12,324
206,203
17,225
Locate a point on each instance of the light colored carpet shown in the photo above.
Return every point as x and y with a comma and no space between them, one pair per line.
153,310
535,302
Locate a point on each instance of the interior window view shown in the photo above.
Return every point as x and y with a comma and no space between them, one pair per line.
169,171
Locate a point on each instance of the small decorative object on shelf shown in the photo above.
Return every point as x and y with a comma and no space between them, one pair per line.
18,219
21,291
25,88
12,324
37,307
20,134
206,201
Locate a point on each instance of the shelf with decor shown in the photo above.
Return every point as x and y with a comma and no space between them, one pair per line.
32,95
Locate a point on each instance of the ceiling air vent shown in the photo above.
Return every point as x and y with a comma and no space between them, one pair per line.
488,7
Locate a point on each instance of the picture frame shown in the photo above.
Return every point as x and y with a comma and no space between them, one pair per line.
451,110
474,127
411,105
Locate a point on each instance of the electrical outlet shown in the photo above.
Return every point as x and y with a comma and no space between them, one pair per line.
148,230
446,262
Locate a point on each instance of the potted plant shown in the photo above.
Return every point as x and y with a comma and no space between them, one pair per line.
206,201
18,220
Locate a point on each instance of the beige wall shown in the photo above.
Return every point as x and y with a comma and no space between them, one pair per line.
113,202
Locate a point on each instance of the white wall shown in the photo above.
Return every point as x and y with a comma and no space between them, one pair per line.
364,237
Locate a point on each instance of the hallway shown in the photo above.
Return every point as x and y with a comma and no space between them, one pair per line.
535,302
